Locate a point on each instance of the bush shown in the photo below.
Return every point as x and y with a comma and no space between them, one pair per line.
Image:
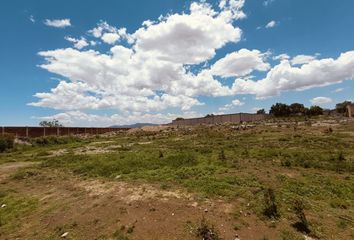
6,142
270,206
206,232
54,140
302,225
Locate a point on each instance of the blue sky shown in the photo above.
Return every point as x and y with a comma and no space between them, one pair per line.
191,58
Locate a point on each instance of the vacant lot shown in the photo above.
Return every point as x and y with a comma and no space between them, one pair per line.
280,180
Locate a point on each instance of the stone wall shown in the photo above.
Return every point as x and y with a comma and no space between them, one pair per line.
220,119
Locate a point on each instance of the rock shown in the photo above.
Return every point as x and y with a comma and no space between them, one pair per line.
206,210
64,235
3,205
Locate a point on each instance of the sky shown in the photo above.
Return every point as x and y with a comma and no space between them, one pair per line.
95,63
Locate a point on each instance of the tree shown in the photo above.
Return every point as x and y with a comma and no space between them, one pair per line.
179,118
297,108
280,110
342,107
53,123
261,111
314,111
209,115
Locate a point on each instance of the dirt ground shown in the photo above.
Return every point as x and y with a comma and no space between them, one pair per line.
96,209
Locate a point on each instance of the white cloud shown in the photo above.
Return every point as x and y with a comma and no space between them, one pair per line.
240,63
320,101
187,38
271,24
32,19
338,90
78,118
78,43
110,34
165,66
232,9
281,57
285,77
266,3
302,59
58,23
110,38
234,103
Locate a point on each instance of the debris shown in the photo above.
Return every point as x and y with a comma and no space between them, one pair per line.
64,235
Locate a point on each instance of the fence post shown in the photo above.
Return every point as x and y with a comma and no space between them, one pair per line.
57,131
43,131
3,131
27,132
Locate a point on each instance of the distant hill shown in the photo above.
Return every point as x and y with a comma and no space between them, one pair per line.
135,125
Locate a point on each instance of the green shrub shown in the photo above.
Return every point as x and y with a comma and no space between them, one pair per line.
270,207
54,140
302,224
206,232
6,142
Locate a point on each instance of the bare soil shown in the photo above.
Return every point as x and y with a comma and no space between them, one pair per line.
95,209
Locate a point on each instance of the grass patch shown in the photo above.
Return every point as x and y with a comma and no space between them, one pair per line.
13,209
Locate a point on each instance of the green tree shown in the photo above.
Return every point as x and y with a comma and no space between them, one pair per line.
261,111
297,108
280,110
53,123
315,111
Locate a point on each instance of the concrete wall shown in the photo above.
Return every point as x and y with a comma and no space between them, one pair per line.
219,119
54,131
350,110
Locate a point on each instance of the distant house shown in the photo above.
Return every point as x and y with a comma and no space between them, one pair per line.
350,110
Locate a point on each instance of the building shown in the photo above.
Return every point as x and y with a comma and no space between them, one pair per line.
220,119
350,110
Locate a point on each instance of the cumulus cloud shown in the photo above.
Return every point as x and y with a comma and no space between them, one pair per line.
302,59
79,118
164,66
58,23
240,63
281,57
78,43
110,34
234,103
285,77
271,24
320,101
150,75
338,90
187,38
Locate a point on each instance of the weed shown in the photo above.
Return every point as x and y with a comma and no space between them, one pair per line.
222,156
270,206
6,142
206,232
302,224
